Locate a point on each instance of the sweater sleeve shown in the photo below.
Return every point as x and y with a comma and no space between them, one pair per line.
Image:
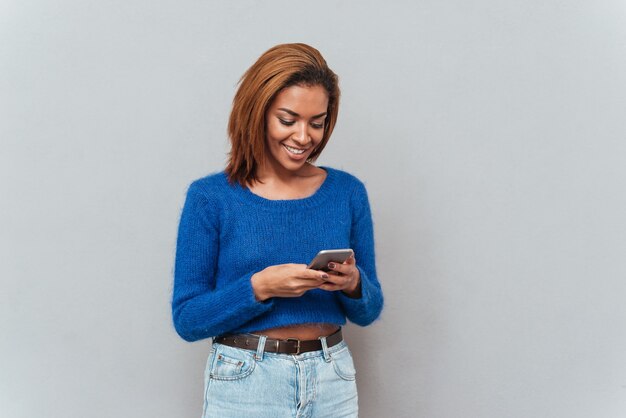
200,310
364,310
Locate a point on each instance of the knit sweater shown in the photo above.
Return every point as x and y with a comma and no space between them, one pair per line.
227,233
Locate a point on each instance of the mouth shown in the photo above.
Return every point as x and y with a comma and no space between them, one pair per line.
294,151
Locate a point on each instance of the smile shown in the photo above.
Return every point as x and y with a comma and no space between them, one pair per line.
295,151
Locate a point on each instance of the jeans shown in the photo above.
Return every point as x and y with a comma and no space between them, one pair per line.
247,383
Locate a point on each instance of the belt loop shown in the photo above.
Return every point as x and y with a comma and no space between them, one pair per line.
260,349
325,349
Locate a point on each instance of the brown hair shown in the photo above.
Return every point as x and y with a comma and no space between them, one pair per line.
279,67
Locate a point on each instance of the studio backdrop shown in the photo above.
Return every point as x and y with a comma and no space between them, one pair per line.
491,137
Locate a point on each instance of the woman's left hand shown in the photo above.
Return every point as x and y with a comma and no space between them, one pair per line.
344,277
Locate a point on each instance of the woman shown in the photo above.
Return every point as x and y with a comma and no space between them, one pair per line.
245,237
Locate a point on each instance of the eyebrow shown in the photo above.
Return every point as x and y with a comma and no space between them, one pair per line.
292,113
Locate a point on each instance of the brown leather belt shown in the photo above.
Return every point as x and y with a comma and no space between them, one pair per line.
288,346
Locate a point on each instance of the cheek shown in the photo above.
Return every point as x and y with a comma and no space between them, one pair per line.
276,131
318,135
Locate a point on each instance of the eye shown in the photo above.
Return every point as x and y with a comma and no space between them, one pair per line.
317,125
286,122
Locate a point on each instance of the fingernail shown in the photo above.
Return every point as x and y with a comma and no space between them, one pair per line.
331,265
324,276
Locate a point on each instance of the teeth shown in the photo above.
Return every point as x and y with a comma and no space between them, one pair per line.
294,150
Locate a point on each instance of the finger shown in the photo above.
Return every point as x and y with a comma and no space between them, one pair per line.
350,260
331,287
314,274
341,268
336,279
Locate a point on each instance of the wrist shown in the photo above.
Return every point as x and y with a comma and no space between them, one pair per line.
354,292
257,282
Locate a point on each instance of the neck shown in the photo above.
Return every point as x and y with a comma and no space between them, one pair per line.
269,172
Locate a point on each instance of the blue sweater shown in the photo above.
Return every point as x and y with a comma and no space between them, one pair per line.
227,233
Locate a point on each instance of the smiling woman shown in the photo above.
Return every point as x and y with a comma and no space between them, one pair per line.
278,69
295,128
246,235
295,122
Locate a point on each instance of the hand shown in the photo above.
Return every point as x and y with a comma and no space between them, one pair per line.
286,280
345,277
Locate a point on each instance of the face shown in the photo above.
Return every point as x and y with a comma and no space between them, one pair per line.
295,126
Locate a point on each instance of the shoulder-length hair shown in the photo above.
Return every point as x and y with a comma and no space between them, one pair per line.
280,67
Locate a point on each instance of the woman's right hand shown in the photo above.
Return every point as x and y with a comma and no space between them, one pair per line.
286,280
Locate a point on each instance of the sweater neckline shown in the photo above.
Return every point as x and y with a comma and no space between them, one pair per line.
322,194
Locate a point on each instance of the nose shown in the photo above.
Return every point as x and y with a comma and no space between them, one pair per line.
302,135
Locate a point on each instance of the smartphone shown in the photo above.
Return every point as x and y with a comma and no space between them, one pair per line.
321,260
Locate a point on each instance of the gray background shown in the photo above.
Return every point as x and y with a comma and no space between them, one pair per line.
490,135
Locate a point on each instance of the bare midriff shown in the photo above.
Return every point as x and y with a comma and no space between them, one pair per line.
299,332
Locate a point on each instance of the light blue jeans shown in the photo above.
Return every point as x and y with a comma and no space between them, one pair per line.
246,383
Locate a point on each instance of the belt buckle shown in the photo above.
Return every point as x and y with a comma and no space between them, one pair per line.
297,344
